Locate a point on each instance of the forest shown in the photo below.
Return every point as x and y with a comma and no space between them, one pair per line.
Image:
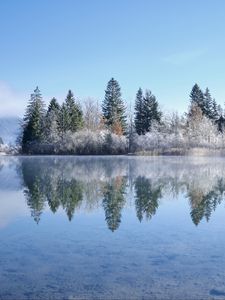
90,128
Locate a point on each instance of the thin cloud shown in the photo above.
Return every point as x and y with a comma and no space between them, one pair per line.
12,102
183,58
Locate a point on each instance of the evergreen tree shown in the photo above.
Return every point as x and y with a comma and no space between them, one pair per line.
151,111
33,121
220,110
74,120
113,107
139,112
53,106
215,110
51,121
197,98
208,104
220,124
62,120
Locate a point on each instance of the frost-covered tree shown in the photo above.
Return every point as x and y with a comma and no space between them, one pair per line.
201,131
221,124
92,116
33,121
173,127
113,108
51,121
131,135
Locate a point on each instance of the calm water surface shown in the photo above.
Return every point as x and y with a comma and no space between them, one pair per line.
112,228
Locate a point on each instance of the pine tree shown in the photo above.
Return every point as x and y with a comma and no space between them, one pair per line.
197,97
53,106
208,104
139,112
62,120
113,107
51,121
220,124
74,119
33,121
220,110
151,111
215,110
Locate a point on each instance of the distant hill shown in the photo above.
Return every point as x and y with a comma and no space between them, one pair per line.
9,129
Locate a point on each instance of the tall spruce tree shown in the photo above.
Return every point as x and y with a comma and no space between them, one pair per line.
220,124
74,116
151,111
215,110
197,98
51,121
33,121
208,104
139,112
113,107
53,106
220,110
62,120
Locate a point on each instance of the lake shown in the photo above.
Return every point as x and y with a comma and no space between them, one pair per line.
112,227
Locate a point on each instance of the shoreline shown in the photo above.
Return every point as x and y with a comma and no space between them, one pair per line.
197,152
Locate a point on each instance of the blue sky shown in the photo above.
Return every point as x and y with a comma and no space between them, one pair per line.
163,45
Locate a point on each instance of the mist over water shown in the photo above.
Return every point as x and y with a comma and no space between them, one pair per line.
112,227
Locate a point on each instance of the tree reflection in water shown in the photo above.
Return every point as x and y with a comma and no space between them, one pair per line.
147,197
112,183
114,201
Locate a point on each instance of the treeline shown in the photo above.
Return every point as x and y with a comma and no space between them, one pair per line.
109,128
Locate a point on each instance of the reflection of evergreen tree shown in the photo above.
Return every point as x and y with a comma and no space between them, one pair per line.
35,199
70,195
204,205
146,198
66,182
114,201
52,194
33,181
43,185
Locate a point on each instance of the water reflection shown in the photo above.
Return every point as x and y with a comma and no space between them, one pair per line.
114,200
203,204
89,183
147,197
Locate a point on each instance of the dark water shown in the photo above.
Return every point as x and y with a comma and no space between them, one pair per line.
112,228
